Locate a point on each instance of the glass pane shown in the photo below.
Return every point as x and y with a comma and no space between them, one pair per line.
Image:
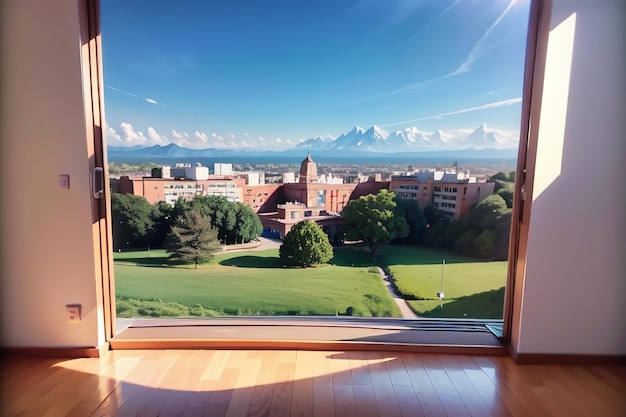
392,127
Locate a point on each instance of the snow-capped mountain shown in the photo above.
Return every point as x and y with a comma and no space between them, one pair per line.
358,142
318,142
370,140
376,139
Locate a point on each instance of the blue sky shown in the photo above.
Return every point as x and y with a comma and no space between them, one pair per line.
236,73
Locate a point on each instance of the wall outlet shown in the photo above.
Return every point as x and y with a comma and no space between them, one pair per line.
73,313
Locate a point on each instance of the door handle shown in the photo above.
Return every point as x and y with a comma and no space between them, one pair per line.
98,182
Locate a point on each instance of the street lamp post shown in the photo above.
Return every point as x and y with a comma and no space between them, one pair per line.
440,293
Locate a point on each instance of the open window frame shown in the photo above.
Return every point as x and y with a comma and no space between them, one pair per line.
167,338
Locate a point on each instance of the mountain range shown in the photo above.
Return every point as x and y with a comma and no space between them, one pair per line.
375,139
483,142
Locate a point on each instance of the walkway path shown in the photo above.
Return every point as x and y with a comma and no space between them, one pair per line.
406,311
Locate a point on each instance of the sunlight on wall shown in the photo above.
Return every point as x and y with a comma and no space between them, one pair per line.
554,103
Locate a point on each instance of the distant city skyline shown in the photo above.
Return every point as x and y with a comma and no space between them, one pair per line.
268,75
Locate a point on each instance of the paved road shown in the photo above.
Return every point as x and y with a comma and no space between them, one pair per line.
406,311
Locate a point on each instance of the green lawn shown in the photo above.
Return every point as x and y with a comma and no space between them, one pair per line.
253,283
472,288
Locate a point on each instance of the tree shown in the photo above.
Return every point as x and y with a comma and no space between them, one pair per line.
162,216
414,216
131,218
306,244
234,221
501,176
375,219
192,239
247,224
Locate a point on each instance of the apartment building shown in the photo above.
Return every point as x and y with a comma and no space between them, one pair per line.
451,192
156,189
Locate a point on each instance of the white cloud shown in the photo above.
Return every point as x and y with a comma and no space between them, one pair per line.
278,140
201,136
128,136
155,137
466,110
177,135
113,138
149,100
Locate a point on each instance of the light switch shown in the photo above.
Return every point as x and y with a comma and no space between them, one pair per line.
64,181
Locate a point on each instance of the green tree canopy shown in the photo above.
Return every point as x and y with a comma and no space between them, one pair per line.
192,239
498,176
131,220
375,219
234,221
162,217
305,245
414,216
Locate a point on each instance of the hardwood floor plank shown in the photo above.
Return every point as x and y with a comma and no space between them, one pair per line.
498,398
270,360
449,397
283,390
244,388
410,405
323,392
464,387
381,382
344,400
505,372
302,398
340,368
365,400
397,370
431,404
359,369
262,395
224,387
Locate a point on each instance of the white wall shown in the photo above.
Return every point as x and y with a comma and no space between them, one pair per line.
574,295
47,257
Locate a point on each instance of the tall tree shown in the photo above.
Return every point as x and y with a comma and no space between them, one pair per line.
375,219
162,217
306,244
192,239
132,221
414,216
247,225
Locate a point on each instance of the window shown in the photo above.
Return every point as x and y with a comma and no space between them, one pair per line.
293,214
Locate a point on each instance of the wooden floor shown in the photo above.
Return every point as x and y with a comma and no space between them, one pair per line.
303,383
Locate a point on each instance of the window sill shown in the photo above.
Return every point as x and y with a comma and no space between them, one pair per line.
313,333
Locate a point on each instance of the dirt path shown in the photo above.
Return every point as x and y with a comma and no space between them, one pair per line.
406,311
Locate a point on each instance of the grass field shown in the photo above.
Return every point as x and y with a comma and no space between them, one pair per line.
471,287
249,283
